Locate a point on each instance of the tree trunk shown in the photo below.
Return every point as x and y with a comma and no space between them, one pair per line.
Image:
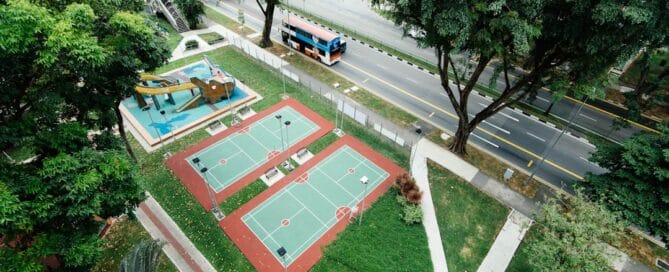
548,110
267,28
459,144
121,130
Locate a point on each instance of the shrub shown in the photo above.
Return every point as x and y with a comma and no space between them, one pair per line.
191,44
412,214
407,187
414,196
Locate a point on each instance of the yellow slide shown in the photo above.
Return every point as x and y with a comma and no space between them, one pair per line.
163,90
169,85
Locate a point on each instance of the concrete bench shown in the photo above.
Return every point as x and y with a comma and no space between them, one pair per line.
271,173
302,152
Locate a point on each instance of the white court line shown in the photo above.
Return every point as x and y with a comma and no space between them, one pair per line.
536,137
319,192
488,142
588,117
266,203
509,116
305,206
265,230
336,181
226,159
364,161
289,219
498,128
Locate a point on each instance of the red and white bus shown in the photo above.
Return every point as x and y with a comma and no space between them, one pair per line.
313,41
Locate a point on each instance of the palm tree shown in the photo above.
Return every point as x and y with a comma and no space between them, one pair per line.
143,257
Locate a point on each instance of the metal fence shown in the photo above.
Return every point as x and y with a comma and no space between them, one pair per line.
339,102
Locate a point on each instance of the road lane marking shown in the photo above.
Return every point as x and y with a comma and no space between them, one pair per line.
536,137
543,99
509,116
611,114
381,66
520,148
482,105
484,140
498,128
588,117
409,79
365,81
431,114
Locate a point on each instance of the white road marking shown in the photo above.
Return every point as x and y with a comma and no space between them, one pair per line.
536,137
509,116
488,142
409,79
482,105
498,128
365,81
588,161
543,99
381,66
588,117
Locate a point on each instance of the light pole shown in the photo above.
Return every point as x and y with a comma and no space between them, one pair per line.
282,253
278,118
571,119
414,149
289,166
162,112
364,181
215,210
147,109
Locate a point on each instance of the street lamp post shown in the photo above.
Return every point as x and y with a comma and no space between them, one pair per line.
289,166
215,210
282,253
278,118
364,181
414,149
147,109
162,112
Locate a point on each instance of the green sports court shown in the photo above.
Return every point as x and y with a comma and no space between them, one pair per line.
250,147
302,212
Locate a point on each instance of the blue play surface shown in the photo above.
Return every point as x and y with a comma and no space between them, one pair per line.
156,124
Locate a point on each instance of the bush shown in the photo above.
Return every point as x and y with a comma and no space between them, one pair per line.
408,188
192,44
414,196
411,213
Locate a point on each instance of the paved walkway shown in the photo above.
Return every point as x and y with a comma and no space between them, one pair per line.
514,229
179,248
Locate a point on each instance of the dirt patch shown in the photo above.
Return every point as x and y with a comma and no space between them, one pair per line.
641,249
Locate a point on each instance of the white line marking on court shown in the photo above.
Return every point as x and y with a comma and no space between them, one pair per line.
588,117
509,116
498,128
357,156
319,192
486,141
305,206
536,137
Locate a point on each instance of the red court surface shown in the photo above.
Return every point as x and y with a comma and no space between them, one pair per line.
254,249
194,182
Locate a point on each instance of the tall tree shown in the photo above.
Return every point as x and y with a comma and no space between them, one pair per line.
71,64
637,183
192,10
651,84
268,11
572,237
570,40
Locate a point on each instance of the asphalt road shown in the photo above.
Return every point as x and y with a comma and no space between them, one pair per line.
359,16
511,135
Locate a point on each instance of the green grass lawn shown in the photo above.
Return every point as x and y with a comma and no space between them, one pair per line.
211,37
520,261
121,239
201,227
226,22
382,243
469,220
244,195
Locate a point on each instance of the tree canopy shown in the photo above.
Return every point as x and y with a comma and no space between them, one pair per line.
572,236
637,181
562,43
69,65
192,10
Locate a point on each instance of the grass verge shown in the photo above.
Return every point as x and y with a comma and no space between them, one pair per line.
469,220
123,236
243,196
493,167
382,243
211,37
326,75
226,22
172,35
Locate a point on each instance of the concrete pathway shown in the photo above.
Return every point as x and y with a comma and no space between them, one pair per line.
420,172
509,238
179,248
507,241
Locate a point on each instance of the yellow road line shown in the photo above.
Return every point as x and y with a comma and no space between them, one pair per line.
612,114
522,149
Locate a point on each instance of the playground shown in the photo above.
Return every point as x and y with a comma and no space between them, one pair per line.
241,154
286,225
170,105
